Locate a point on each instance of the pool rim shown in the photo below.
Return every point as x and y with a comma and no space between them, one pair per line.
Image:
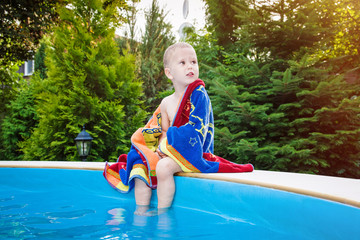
284,181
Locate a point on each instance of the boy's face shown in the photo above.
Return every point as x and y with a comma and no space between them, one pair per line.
183,66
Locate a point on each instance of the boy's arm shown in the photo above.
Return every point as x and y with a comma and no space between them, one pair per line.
165,124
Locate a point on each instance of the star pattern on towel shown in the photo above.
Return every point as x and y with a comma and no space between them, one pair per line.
192,141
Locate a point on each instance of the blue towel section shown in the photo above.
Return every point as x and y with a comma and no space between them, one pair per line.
132,158
197,136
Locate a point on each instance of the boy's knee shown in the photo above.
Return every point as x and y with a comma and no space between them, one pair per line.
164,168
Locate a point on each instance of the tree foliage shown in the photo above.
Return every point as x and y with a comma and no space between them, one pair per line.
221,21
156,39
9,83
19,122
279,101
39,59
131,30
88,83
282,27
22,25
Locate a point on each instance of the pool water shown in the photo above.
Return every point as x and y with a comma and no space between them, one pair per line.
62,204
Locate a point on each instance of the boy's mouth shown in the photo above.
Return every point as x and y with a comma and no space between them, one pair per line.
190,74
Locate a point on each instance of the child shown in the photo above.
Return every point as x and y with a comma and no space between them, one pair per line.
179,137
181,67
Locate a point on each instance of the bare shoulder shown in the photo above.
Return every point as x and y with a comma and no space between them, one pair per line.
166,101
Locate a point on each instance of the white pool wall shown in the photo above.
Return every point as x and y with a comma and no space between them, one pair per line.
342,190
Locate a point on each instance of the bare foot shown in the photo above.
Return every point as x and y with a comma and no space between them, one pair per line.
141,210
156,212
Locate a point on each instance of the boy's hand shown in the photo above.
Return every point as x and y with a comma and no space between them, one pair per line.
160,154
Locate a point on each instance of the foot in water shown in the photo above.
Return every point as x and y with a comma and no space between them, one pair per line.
156,211
144,211
141,210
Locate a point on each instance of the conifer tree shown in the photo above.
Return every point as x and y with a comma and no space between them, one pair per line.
9,83
19,122
88,83
131,17
277,103
328,121
284,27
250,125
156,39
39,59
221,21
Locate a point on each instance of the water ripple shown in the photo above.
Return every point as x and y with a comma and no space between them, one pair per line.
69,214
11,207
7,199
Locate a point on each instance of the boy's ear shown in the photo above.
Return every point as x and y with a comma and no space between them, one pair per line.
168,74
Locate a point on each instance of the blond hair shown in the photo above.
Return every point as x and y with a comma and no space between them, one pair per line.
171,49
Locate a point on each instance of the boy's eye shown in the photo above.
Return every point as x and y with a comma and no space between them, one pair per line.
193,62
182,62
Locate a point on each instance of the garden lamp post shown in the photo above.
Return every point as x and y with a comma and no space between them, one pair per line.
83,143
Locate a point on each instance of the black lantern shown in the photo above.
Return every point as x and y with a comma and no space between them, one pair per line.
83,143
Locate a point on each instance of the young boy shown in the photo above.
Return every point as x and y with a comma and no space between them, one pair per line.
181,67
179,137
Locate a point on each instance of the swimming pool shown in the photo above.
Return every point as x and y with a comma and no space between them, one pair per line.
62,203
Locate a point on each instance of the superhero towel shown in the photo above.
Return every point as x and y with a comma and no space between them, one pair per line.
189,141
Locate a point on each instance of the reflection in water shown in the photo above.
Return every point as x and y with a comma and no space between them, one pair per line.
125,224
69,214
12,207
6,199
109,220
117,216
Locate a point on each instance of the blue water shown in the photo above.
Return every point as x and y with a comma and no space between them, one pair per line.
62,204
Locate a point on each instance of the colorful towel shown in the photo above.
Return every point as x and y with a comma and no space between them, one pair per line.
189,141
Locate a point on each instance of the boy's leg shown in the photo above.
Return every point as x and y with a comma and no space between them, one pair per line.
165,170
142,197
